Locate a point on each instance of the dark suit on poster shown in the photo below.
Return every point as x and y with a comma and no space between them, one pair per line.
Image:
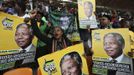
123,59
126,60
30,48
28,60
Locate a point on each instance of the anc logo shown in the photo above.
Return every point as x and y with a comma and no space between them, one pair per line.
49,67
97,36
7,23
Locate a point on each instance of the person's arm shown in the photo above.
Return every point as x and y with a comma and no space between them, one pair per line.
68,42
45,26
38,33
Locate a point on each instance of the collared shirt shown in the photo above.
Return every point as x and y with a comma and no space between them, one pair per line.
93,21
118,59
92,18
88,21
27,48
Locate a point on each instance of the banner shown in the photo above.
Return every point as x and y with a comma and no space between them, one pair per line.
8,61
8,42
8,24
67,61
111,48
66,21
86,9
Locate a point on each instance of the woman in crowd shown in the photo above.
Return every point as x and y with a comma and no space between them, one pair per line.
57,42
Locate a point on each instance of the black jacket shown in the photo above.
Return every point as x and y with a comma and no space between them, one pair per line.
45,39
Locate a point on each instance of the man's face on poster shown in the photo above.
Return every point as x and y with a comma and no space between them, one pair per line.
70,67
64,22
88,9
112,46
23,37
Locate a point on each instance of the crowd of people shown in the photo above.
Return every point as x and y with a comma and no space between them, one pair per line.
23,8
38,11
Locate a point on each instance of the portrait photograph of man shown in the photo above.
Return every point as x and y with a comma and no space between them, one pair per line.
69,61
86,10
23,38
113,46
71,64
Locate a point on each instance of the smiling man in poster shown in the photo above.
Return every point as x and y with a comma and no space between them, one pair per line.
87,18
23,38
114,45
71,64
